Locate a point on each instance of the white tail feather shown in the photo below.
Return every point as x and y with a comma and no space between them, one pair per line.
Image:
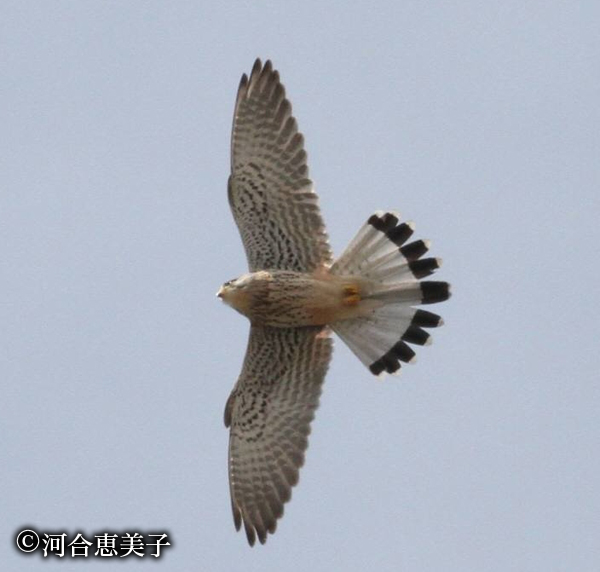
367,242
389,271
372,336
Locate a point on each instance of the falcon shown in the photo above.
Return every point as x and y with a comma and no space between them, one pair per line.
295,294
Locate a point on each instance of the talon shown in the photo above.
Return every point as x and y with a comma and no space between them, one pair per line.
351,295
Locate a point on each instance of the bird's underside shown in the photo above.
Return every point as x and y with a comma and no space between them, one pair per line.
294,294
286,298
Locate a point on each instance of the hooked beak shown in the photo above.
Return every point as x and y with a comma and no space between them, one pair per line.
220,293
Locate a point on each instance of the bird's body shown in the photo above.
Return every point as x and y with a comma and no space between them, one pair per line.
295,294
286,298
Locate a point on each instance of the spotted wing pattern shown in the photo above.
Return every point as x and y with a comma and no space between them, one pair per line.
272,199
269,413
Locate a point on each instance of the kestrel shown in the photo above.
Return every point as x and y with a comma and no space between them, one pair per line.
295,293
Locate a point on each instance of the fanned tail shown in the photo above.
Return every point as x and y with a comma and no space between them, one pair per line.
391,269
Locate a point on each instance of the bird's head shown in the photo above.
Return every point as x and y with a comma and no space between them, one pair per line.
236,294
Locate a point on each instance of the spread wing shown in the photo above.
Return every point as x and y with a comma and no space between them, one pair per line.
269,412
272,199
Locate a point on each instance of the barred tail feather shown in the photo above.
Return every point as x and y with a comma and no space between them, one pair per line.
392,270
380,341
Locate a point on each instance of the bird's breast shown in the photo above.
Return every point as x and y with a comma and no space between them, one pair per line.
293,299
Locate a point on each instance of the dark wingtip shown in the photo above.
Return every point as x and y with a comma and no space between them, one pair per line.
262,535
256,66
237,517
250,534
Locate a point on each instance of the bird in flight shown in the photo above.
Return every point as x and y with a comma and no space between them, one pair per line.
295,294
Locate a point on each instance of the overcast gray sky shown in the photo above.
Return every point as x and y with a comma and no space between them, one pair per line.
477,120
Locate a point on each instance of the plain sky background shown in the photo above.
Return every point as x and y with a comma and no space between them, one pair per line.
478,120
